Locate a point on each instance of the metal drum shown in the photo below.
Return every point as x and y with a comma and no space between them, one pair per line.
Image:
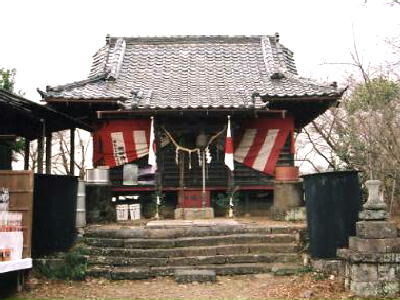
98,196
333,200
98,176
81,205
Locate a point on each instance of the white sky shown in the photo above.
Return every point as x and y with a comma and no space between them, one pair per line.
52,42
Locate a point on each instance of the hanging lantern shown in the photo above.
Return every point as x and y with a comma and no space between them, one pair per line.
202,140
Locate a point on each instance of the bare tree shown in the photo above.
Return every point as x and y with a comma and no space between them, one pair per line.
61,154
363,133
61,159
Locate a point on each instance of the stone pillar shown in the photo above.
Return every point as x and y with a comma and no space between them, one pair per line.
373,257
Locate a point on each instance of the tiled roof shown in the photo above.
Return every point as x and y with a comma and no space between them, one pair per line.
192,72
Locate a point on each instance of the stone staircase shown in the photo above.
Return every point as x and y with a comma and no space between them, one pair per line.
144,252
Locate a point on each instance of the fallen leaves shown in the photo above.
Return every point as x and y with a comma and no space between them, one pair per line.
261,286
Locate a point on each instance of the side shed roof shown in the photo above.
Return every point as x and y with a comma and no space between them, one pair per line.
22,117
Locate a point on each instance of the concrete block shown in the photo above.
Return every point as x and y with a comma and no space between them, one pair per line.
376,229
329,266
362,272
188,276
374,245
194,213
130,273
296,214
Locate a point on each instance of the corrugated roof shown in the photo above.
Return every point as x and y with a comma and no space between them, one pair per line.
192,72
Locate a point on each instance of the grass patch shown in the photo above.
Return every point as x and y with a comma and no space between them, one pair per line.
71,266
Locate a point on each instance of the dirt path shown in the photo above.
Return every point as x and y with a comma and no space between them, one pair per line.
261,286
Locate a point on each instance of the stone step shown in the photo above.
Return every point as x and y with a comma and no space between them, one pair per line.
122,273
189,276
195,251
137,243
144,232
192,260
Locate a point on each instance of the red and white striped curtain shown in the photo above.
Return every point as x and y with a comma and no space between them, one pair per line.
121,141
261,142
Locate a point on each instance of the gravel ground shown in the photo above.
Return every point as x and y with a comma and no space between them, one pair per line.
260,286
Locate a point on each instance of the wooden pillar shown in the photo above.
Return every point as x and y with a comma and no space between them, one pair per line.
48,153
72,151
40,150
27,146
158,175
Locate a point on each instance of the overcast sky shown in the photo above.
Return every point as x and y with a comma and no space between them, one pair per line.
52,42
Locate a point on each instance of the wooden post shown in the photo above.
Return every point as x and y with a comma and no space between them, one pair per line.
158,174
231,180
247,205
48,153
158,179
232,173
181,165
40,150
26,153
72,151
203,165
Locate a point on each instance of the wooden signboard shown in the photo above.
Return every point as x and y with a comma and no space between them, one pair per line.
20,189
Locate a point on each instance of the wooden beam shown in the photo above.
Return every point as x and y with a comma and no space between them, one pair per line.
40,152
178,189
72,151
27,148
105,114
48,153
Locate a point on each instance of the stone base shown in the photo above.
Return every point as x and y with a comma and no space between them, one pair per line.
387,245
371,274
375,288
371,215
194,213
376,229
290,215
374,257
